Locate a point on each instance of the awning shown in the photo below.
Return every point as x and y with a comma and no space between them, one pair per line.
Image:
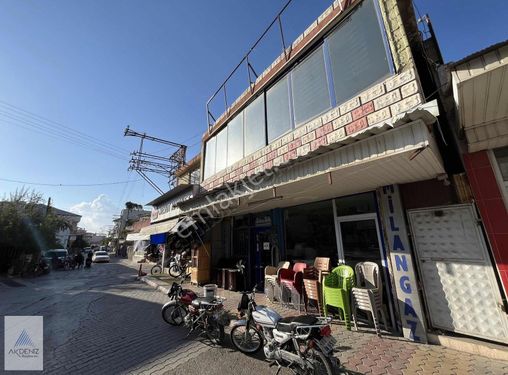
164,227
137,237
480,90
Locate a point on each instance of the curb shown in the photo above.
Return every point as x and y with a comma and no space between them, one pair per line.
149,281
467,345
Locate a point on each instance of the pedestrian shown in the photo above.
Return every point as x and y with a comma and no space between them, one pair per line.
80,259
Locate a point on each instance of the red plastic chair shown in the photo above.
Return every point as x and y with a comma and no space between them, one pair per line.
293,277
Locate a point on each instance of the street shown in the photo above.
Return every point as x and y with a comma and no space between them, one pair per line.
104,321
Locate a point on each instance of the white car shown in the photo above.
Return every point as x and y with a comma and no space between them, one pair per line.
100,256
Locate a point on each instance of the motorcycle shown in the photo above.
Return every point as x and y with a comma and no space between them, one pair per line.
208,315
303,344
174,311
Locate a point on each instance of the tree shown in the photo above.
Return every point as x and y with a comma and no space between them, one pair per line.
27,226
133,206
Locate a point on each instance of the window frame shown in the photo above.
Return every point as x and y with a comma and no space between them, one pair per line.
386,44
501,183
324,44
328,80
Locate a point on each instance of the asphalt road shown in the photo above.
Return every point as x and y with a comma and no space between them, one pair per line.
103,321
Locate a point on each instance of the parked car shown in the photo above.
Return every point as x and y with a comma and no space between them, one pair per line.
100,256
56,257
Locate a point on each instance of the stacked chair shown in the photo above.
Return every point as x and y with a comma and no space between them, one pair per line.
367,295
290,282
336,291
312,279
271,276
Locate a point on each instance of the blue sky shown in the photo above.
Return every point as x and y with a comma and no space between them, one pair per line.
97,66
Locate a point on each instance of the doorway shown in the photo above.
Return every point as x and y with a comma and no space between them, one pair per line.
359,240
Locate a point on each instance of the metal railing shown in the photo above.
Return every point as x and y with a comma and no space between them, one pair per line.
250,69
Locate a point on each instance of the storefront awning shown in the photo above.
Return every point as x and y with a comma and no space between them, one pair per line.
137,237
480,90
164,227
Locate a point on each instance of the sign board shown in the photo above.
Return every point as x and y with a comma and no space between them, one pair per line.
410,307
169,208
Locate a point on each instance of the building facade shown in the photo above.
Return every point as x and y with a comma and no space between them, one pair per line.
341,148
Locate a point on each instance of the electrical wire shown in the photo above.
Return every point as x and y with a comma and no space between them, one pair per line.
41,129
55,124
67,185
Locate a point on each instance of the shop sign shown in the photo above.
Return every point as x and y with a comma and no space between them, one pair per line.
410,307
169,208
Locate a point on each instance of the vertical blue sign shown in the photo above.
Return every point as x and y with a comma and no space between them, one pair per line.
410,307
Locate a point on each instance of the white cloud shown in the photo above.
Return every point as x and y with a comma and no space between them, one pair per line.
97,214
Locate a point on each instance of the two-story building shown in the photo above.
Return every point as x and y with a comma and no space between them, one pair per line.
341,149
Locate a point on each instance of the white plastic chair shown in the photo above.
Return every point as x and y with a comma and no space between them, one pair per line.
367,295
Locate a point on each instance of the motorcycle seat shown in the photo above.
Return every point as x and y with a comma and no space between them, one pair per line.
290,323
203,302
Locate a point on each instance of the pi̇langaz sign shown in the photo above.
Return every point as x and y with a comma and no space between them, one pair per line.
410,307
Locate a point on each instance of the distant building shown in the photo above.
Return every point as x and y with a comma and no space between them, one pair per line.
72,220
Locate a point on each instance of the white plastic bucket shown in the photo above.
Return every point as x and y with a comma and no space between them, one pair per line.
209,290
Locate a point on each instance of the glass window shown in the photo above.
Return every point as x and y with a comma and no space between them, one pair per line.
194,176
310,232
221,155
310,88
357,52
235,139
255,131
209,169
356,204
277,109
502,161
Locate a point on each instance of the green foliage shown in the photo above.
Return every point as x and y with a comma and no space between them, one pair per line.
133,206
27,226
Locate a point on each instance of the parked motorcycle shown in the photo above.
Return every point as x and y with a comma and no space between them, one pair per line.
303,344
174,311
208,315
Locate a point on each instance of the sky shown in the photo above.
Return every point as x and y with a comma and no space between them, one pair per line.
74,74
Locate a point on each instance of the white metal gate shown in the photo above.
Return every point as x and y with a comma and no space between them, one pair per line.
459,283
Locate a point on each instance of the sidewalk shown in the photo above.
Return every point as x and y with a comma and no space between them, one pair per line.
366,353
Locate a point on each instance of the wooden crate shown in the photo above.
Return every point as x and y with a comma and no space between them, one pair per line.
200,264
200,276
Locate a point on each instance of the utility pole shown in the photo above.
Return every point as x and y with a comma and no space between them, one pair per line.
143,162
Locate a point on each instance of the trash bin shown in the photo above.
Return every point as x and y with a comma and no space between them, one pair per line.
209,290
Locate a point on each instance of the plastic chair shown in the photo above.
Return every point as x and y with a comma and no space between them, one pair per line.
311,288
291,280
368,294
271,275
336,291
322,265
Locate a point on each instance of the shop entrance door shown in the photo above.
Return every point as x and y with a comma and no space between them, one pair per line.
263,255
358,240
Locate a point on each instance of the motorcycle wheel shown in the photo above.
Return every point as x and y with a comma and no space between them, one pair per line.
175,271
246,340
174,314
156,270
216,333
321,364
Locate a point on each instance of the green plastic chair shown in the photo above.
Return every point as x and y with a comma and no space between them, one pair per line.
336,291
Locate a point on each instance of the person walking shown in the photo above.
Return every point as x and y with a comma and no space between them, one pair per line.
80,259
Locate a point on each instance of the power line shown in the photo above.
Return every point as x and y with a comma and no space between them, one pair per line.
56,124
68,185
41,129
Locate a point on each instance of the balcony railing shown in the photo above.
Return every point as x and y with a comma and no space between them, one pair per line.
246,63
